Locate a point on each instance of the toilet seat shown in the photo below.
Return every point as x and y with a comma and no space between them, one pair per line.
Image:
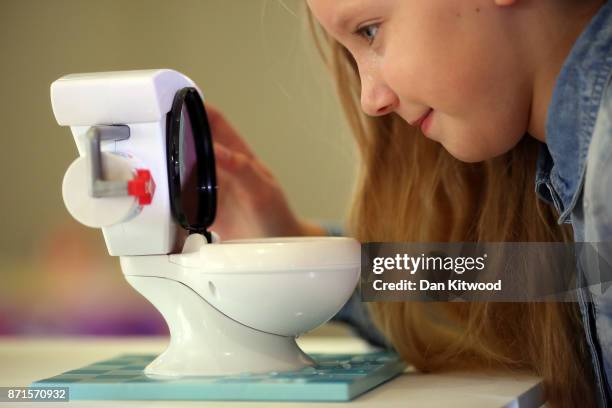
278,254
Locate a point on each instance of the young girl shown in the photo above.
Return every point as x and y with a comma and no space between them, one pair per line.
473,121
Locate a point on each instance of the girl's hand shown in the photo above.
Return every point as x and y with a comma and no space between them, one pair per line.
251,202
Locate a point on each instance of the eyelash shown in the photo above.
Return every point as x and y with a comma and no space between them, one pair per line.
362,32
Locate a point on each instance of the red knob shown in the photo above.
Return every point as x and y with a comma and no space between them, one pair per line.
142,186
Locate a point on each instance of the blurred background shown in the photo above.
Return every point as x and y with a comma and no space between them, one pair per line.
253,59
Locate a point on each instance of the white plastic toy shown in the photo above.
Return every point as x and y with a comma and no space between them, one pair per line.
145,175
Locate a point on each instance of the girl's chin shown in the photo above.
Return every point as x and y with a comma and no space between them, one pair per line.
474,153
466,152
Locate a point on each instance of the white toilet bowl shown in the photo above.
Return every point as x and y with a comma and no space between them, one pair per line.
237,306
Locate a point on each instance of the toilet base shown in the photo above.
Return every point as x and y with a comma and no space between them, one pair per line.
205,342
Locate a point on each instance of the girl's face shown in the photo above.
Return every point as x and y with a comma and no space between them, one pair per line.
458,59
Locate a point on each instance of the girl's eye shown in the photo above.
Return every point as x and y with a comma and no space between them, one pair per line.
368,32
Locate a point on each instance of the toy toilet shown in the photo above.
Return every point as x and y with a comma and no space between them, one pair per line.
145,175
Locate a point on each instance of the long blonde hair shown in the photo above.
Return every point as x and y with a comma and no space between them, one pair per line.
411,190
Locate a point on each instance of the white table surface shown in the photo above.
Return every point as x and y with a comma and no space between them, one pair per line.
24,360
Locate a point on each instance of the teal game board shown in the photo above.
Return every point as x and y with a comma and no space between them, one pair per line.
336,377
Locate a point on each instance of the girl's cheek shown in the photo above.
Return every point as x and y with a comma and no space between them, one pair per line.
406,74
440,63
421,70
400,78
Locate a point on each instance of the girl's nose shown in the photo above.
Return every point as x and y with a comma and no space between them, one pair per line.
377,99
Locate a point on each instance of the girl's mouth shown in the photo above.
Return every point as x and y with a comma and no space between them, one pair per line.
423,121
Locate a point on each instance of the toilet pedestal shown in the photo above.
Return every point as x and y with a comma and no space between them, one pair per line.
205,342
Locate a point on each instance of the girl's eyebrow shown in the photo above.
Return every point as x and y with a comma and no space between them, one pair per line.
344,17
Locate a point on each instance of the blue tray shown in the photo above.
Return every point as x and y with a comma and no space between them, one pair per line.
336,377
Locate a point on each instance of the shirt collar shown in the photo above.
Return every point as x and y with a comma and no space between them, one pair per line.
572,113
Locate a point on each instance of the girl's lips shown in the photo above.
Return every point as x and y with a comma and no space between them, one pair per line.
419,121
425,123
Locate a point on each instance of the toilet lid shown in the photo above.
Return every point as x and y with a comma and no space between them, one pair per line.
279,254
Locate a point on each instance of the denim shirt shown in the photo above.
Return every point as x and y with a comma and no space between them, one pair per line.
574,173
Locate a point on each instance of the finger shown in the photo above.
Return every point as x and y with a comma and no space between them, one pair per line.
224,187
229,160
225,133
242,170
223,178
223,155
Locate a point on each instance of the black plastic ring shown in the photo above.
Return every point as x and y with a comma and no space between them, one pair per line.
205,162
